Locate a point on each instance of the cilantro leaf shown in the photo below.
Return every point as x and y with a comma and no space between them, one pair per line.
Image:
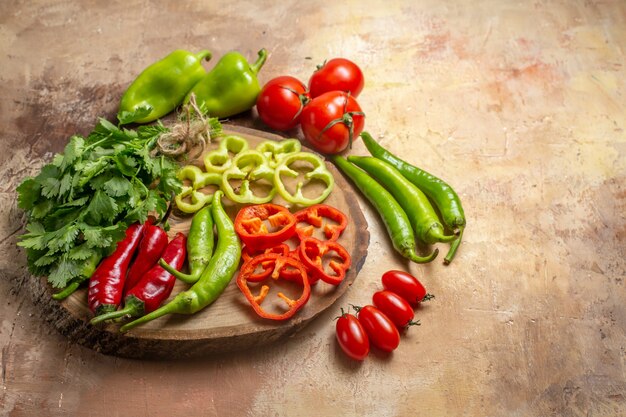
125,117
102,207
117,186
28,192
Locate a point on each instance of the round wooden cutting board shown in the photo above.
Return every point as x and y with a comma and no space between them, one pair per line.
229,324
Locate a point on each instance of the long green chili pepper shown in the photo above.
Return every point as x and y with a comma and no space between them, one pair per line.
420,212
200,244
440,193
216,276
393,216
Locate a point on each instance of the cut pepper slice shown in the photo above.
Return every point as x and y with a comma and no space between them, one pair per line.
198,180
275,151
319,172
268,267
248,167
220,160
312,253
251,227
314,217
281,263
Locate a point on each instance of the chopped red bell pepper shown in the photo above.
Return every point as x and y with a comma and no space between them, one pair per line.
317,256
251,226
281,264
318,216
268,266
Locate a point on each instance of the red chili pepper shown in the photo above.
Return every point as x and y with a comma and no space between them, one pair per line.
281,263
251,228
154,287
153,242
107,282
315,215
317,256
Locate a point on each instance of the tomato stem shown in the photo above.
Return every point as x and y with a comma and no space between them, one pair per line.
414,323
428,297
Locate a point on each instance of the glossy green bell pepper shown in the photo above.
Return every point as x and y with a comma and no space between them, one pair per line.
231,87
161,87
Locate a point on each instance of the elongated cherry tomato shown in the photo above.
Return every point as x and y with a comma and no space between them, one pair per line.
406,286
337,74
281,101
379,328
332,121
395,307
352,337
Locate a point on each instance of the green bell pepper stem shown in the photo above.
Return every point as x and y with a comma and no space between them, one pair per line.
318,172
249,167
256,67
220,159
275,151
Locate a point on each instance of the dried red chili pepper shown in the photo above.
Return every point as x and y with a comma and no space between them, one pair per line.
154,287
107,282
281,263
153,242
251,228
315,217
312,253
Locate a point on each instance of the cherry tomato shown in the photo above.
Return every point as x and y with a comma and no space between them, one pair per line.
352,337
281,101
381,331
332,121
395,307
406,286
337,74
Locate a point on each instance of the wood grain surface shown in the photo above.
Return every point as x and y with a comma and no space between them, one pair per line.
519,105
229,324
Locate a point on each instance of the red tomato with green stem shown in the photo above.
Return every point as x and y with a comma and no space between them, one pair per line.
406,286
396,308
332,121
337,74
352,337
379,328
281,102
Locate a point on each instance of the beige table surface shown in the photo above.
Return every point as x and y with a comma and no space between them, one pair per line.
520,105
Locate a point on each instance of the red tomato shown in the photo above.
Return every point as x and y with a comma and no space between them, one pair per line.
395,307
351,337
281,101
406,286
337,74
332,121
381,331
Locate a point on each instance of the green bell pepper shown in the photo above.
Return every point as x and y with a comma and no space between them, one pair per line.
220,159
249,167
191,199
231,87
161,87
316,170
275,151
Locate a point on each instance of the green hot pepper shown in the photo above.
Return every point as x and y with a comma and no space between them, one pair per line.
89,267
200,244
161,87
421,213
231,87
440,193
216,276
393,216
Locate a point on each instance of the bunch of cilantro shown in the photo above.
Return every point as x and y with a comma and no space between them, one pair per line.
80,204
